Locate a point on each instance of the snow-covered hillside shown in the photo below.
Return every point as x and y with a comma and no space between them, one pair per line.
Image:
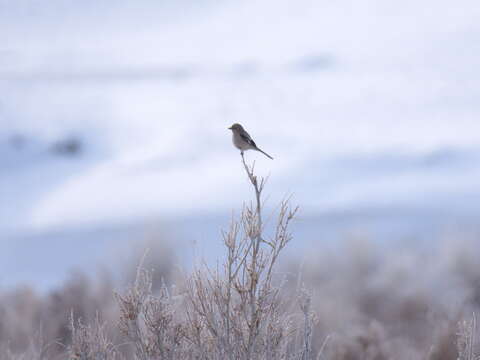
117,112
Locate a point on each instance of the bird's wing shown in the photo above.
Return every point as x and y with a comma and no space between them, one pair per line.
244,135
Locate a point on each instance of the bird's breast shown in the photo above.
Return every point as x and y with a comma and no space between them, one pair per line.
239,142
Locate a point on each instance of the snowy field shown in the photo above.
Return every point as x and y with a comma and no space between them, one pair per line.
114,115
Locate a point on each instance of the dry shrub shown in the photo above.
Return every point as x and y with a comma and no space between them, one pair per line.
233,311
406,304
90,342
29,320
237,308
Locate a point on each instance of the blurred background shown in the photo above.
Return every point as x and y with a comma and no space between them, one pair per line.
114,116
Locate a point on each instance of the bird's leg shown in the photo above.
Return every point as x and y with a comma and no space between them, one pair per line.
241,153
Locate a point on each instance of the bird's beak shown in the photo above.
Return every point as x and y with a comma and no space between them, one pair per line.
230,128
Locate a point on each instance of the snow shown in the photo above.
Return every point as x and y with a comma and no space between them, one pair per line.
369,104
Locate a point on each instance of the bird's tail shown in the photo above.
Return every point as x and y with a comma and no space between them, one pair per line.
264,153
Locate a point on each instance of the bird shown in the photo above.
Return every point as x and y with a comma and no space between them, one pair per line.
242,140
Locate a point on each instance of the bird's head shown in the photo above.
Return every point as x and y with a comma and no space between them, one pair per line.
236,127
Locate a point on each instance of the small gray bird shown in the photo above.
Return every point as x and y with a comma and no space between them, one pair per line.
243,141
